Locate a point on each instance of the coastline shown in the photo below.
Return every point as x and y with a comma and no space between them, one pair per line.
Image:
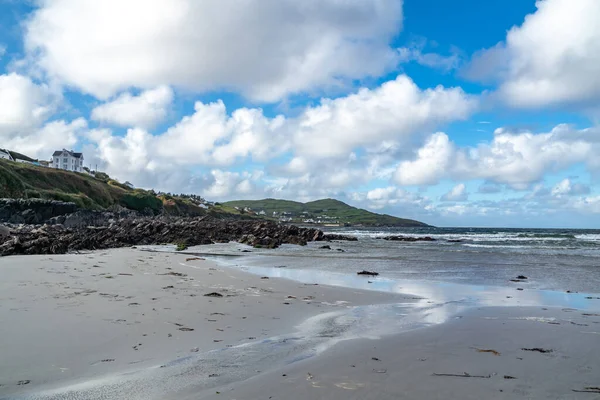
135,324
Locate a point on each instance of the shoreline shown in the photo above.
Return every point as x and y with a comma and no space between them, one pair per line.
259,325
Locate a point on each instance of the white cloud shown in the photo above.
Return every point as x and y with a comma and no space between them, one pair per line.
42,142
552,58
431,164
457,193
24,105
516,159
394,111
588,205
144,110
265,49
568,188
415,51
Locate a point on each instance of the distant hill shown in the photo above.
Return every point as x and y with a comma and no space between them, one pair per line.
326,211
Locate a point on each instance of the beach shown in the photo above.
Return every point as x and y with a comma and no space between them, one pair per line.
139,324
68,319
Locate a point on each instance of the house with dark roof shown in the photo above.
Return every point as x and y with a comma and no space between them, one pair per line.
5,154
67,160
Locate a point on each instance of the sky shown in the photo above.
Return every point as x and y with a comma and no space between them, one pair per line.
455,113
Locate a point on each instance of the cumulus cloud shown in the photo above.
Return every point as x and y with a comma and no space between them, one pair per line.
394,111
265,49
552,58
24,104
457,193
516,159
432,162
568,188
144,110
331,146
41,142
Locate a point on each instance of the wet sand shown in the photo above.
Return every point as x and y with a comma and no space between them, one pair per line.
487,344
71,318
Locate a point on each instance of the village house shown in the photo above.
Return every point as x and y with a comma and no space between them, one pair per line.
67,160
5,155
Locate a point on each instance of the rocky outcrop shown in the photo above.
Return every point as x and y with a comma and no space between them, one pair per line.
83,218
409,238
333,236
33,211
57,239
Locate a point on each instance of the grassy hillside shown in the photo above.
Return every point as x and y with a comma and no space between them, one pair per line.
326,211
20,180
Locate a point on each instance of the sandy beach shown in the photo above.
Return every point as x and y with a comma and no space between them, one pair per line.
488,344
135,324
69,318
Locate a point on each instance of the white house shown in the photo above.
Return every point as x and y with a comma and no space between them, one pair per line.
68,160
5,155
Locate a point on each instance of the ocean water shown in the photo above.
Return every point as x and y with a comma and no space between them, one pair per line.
552,259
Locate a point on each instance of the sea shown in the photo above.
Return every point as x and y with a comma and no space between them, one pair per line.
552,259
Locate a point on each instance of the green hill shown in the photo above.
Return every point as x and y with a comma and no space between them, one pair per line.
326,211
22,180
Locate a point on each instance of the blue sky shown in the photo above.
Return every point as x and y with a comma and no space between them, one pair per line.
463,113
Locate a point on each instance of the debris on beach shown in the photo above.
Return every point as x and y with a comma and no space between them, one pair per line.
380,371
369,273
375,359
184,329
125,274
265,277
179,274
464,375
494,352
213,294
326,247
521,277
169,287
194,259
588,389
509,377
538,349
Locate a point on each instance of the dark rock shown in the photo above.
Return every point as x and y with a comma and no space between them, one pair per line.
409,238
454,240
330,236
133,231
213,294
33,211
325,247
369,273
521,277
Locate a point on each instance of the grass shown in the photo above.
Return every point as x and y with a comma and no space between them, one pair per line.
20,180
181,247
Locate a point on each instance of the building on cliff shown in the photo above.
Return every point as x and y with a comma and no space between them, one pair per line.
67,160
